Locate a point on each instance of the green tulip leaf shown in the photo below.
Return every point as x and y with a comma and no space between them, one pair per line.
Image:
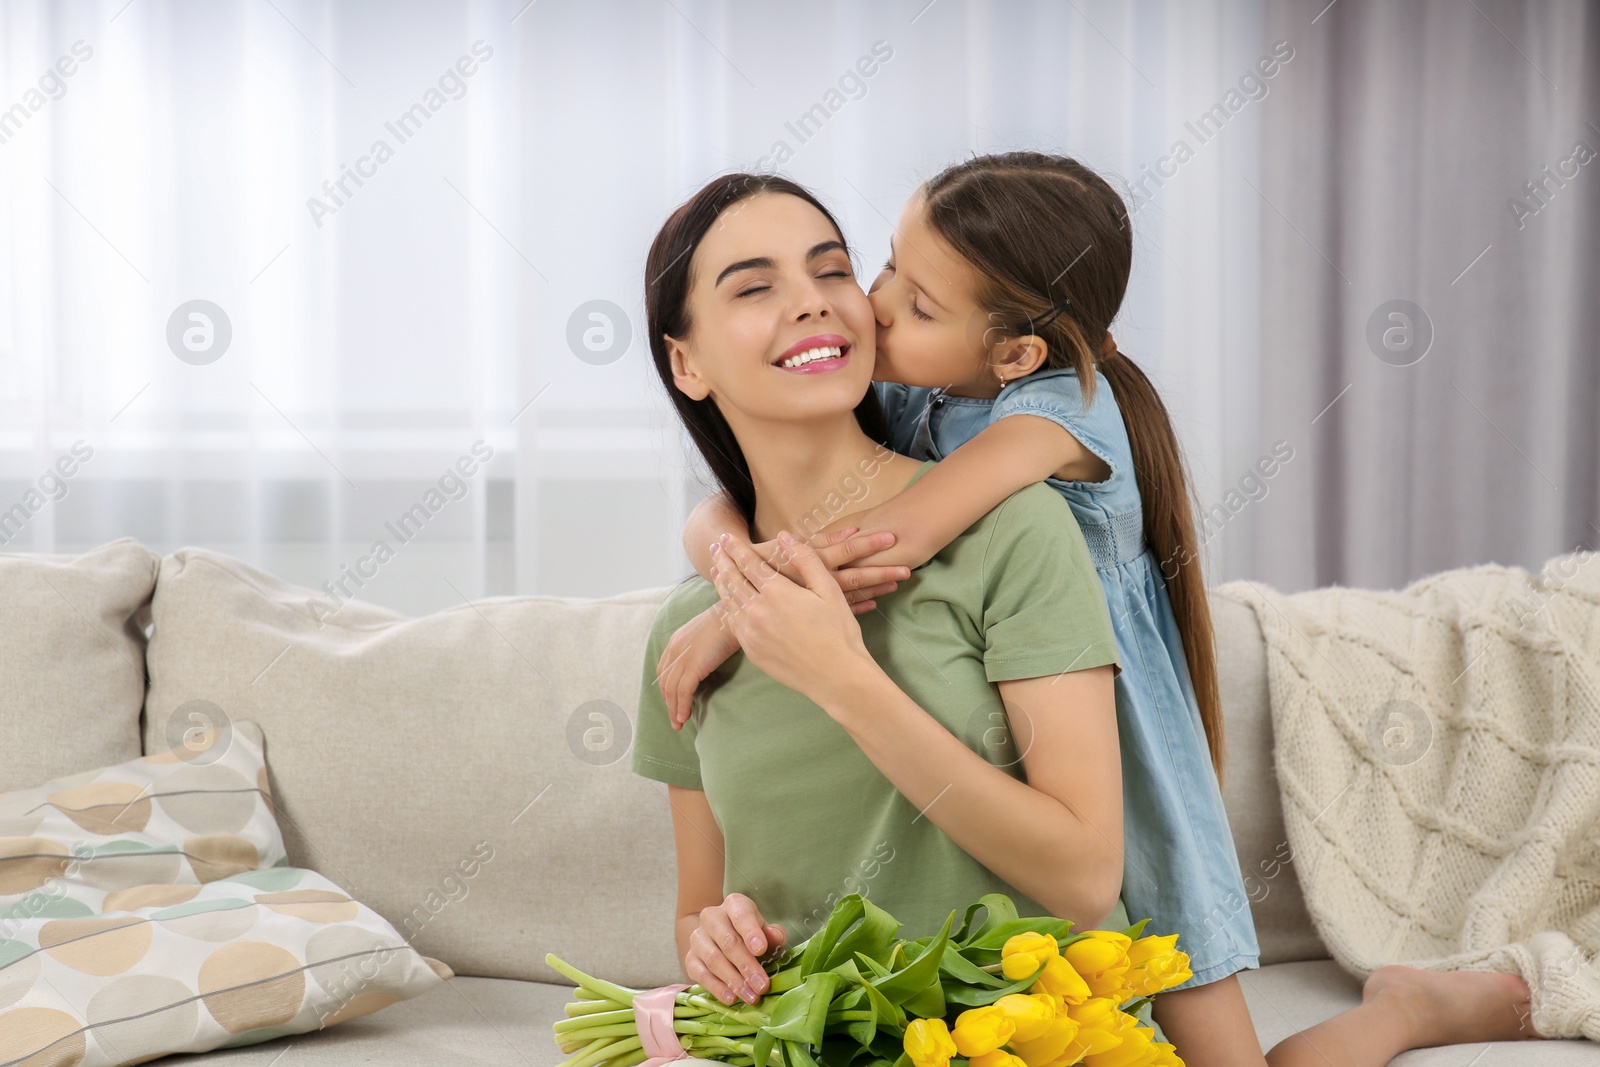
763,1047
798,1056
972,997
856,925
802,1013
916,975
851,1001
1000,909
869,964
957,966
888,1013
995,937
1137,929
862,1031
927,1004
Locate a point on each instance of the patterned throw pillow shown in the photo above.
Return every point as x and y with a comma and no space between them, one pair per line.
147,908
190,968
189,816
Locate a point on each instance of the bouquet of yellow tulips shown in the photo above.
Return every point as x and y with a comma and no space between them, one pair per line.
1009,992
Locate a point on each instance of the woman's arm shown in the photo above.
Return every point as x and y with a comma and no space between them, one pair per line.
727,955
1056,837
969,483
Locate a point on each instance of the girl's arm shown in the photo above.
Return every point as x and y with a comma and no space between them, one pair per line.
970,482
710,519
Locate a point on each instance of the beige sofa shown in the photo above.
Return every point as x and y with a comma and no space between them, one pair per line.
398,748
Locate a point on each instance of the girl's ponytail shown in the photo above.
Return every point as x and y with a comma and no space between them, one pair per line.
1045,231
1170,532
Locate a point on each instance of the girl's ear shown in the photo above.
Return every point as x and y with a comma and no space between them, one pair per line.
688,381
1022,356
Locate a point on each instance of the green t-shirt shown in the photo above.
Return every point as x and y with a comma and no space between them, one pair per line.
806,817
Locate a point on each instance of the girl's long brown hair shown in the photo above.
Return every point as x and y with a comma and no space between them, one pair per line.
1039,229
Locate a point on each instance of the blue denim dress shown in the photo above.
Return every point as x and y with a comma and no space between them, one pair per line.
1180,867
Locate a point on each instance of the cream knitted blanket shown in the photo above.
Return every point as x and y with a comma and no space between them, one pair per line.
1438,754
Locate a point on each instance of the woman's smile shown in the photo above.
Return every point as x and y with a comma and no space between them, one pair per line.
817,354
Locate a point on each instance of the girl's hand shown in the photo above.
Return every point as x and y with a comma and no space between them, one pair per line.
839,549
727,949
887,546
697,648
801,634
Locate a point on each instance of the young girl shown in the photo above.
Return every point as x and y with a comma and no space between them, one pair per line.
1004,275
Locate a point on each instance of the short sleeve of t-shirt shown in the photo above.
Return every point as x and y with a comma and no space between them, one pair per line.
659,751
1057,395
1035,544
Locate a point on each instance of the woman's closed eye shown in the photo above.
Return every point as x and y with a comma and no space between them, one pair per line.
764,288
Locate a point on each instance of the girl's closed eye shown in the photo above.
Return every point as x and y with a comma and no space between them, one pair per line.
918,312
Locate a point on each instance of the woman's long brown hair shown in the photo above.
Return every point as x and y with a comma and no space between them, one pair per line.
1039,229
667,280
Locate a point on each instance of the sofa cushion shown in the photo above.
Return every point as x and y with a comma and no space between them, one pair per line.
470,1022
71,656
464,774
1289,997
1250,791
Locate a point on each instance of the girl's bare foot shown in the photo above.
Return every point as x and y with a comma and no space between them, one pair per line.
1454,1007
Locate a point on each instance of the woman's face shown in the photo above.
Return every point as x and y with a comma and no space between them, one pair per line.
771,281
931,332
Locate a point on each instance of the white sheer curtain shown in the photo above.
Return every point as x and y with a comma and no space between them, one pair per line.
379,331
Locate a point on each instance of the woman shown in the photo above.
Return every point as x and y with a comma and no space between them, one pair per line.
840,755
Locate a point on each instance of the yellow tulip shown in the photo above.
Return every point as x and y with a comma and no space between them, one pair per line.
1156,965
1134,1051
1048,1046
1101,958
1166,1055
1089,1042
1104,1027
998,1058
1030,1014
980,1030
1060,979
1094,1012
928,1043
1023,954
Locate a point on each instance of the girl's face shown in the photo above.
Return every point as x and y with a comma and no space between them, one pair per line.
931,331
770,283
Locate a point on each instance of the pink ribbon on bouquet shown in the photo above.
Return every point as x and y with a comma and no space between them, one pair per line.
652,1014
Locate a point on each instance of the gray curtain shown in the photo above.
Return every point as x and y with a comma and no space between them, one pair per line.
1430,168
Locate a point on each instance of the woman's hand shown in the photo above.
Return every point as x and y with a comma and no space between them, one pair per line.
802,634
727,949
705,642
